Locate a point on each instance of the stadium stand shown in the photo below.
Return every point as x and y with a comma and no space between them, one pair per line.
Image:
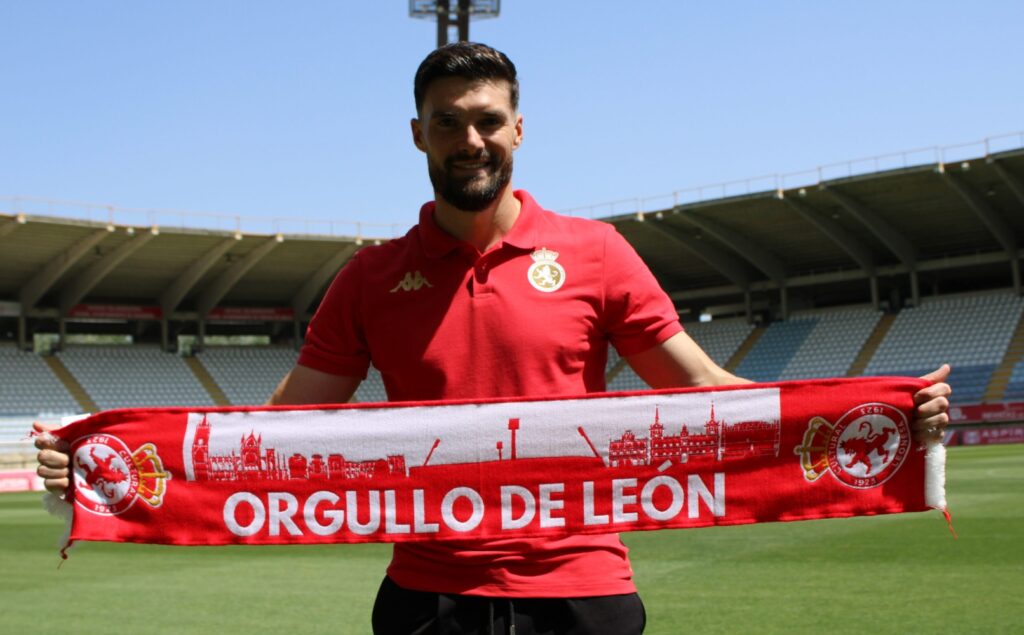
132,376
970,332
29,388
774,351
719,338
1015,389
247,374
810,345
832,345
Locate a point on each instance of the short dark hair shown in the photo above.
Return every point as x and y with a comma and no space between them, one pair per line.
468,60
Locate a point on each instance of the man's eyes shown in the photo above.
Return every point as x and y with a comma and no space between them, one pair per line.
487,123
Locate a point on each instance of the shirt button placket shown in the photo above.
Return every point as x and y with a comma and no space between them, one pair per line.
482,276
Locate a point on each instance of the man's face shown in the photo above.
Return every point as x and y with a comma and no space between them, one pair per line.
468,130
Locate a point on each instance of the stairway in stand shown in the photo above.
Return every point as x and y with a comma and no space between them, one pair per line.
871,345
1001,375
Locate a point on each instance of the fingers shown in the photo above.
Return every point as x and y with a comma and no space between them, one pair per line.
939,375
937,391
932,413
58,486
55,479
931,416
52,472
53,459
53,468
46,441
932,433
938,420
931,407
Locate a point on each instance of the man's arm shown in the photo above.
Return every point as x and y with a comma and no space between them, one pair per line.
679,362
304,385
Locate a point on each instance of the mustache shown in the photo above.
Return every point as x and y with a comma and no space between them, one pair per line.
479,156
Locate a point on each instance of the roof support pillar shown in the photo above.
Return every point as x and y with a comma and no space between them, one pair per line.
174,294
835,232
165,334
9,225
311,287
874,292
85,281
216,291
989,217
33,290
22,333
753,253
724,263
748,301
62,333
1015,184
200,335
896,242
297,333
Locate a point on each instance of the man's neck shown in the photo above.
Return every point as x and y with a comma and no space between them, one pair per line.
482,229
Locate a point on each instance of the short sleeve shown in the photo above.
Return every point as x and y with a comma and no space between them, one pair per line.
638,314
335,341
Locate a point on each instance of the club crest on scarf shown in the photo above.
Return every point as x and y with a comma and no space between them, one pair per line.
108,477
863,449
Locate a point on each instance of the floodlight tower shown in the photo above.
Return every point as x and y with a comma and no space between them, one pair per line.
457,12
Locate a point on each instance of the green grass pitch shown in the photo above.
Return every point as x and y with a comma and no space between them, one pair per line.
893,574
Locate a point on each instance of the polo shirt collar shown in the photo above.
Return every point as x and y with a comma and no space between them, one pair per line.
524,232
437,243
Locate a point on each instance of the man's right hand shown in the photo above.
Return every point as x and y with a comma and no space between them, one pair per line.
53,460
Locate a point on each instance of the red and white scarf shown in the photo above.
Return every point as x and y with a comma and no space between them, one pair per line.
501,468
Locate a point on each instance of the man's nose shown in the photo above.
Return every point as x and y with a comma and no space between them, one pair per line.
471,139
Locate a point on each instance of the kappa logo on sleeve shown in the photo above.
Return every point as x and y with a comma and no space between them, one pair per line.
108,478
863,449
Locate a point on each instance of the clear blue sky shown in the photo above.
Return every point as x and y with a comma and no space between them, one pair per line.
270,108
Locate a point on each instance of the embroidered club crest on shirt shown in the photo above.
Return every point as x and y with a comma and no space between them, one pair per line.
545,274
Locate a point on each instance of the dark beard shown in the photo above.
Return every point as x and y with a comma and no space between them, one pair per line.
470,195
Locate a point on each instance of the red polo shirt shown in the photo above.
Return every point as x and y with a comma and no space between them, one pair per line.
532,316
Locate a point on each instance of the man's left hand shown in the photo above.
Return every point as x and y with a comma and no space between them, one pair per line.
931,416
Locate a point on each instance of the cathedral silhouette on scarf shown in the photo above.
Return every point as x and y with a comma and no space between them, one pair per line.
717,441
254,462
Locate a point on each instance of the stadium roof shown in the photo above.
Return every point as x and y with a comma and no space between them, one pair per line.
881,236
921,230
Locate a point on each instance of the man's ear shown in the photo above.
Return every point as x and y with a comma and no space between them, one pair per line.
518,140
417,134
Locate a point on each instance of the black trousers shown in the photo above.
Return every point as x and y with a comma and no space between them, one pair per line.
399,611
